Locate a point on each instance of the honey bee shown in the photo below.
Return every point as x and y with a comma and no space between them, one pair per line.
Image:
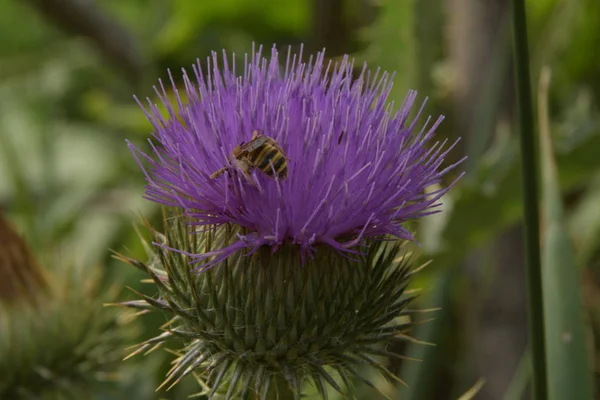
261,152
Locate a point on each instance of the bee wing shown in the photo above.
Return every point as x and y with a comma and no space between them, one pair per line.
255,143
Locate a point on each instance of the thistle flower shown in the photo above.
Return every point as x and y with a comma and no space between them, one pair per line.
356,169
267,318
57,340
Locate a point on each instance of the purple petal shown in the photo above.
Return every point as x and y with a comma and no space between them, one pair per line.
356,169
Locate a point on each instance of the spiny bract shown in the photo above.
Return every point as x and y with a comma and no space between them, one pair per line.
268,323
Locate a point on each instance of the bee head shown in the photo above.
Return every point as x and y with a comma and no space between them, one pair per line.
238,151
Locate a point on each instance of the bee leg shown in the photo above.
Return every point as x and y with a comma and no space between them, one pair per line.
245,167
219,172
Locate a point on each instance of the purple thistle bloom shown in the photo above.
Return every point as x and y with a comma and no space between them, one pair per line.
356,168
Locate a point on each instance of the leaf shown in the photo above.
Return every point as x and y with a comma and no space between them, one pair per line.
520,381
584,224
569,370
391,45
491,202
189,19
420,375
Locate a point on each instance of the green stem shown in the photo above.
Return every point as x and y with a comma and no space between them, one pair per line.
521,378
530,193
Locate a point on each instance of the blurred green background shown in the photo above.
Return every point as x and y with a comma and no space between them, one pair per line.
69,68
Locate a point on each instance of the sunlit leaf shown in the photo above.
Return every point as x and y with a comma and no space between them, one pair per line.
188,17
391,41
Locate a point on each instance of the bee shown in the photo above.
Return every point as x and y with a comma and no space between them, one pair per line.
261,152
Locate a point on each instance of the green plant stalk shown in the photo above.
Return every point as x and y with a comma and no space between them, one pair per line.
530,197
521,378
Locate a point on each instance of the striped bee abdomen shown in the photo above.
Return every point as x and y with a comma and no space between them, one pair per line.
269,152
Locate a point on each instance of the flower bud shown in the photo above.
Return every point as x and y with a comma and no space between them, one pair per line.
269,321
56,338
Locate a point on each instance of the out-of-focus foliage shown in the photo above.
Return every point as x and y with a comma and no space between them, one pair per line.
66,348
58,341
68,181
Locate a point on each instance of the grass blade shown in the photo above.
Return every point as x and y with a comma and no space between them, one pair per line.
518,384
420,376
569,372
